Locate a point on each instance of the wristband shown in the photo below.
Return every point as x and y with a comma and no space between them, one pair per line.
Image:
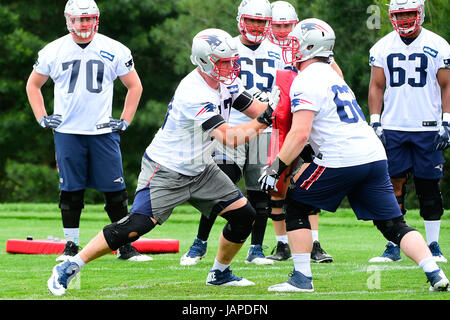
374,118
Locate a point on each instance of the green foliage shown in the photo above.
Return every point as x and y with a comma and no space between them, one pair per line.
30,183
159,34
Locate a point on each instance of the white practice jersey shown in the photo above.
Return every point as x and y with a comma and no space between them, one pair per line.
258,71
183,144
84,80
340,136
412,99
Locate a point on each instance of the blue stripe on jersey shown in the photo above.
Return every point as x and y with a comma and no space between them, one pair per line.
107,55
430,51
233,89
274,55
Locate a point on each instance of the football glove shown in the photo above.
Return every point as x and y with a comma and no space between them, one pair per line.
271,174
261,96
118,125
442,140
274,98
379,132
52,121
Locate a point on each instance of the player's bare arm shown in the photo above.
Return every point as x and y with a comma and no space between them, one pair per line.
237,135
443,77
33,88
133,83
376,90
297,137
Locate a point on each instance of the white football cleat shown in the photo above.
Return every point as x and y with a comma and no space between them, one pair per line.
391,254
256,256
226,279
196,252
297,283
62,274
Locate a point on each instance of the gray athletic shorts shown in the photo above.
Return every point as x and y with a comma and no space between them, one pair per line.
251,158
160,190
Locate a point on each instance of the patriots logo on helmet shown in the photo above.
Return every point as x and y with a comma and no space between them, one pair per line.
212,40
312,26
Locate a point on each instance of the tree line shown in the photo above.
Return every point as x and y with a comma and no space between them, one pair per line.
159,34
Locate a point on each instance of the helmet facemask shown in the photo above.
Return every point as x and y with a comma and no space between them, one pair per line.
291,50
225,70
279,35
82,27
253,33
407,26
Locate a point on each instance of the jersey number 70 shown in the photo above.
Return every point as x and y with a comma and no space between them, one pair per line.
89,74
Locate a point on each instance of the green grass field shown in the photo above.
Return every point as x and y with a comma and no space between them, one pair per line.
350,277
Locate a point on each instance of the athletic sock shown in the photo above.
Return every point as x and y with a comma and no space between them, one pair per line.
429,265
302,263
315,235
432,229
219,266
72,234
77,259
283,239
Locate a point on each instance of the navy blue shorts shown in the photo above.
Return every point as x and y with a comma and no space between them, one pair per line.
368,188
413,152
92,161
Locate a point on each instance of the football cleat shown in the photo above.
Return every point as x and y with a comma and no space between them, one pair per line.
297,283
129,253
196,252
256,256
282,252
62,274
70,250
391,254
226,279
437,280
436,251
319,255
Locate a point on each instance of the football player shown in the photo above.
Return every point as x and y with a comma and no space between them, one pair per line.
83,66
259,61
177,165
284,19
411,68
350,161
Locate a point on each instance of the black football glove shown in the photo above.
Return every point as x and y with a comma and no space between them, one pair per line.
274,98
442,140
271,174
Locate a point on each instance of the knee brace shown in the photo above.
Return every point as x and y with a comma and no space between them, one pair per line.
71,200
71,204
260,201
297,214
116,204
430,199
239,223
126,230
393,230
278,204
